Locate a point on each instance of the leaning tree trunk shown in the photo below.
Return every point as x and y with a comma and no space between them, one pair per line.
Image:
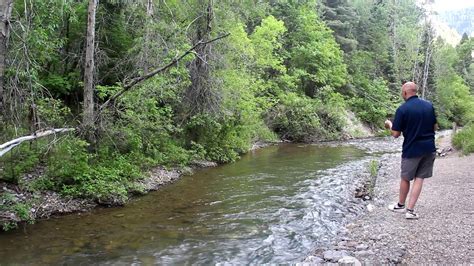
88,112
5,13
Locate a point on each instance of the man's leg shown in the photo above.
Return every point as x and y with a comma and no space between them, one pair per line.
404,188
415,192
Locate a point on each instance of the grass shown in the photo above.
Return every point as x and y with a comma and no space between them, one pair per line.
373,169
464,139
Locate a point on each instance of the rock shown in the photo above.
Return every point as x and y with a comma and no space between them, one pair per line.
349,260
370,207
203,164
351,244
314,259
186,171
342,244
364,253
334,255
351,226
362,247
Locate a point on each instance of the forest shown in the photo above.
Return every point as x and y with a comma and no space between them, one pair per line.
131,85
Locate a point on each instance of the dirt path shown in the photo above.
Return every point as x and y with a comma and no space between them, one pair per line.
444,232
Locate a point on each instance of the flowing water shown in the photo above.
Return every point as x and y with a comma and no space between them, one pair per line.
274,205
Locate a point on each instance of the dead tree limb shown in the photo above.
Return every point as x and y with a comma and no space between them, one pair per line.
137,80
5,147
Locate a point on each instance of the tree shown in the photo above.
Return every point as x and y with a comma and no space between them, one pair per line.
88,111
340,16
315,58
465,66
5,13
424,70
202,96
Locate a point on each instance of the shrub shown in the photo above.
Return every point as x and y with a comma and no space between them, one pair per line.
374,104
464,139
103,176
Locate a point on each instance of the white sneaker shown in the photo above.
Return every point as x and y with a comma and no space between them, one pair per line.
411,215
395,208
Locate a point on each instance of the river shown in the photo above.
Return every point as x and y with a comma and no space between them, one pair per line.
274,205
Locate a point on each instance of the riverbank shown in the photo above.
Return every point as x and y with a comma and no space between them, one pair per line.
20,204
27,202
441,235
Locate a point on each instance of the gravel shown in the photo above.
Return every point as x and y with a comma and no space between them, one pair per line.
443,234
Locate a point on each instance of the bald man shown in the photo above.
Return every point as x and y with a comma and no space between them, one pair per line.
416,119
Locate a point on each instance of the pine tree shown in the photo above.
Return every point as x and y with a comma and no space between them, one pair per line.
340,17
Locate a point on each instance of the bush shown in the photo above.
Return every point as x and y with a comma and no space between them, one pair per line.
300,118
23,158
374,104
104,176
464,139
218,139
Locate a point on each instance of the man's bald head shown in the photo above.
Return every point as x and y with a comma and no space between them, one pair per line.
409,89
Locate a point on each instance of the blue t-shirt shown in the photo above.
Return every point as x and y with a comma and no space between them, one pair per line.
416,119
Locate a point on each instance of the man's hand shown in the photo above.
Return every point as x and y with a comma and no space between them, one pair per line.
388,124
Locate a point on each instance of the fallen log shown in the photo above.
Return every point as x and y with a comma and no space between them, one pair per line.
6,147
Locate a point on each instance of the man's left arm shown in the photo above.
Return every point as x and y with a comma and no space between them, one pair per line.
436,127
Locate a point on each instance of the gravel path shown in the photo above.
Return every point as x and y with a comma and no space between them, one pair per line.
444,232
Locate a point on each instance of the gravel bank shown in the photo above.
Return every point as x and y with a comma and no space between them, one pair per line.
442,235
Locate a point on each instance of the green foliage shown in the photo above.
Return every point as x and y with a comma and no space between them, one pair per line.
295,118
315,58
281,72
266,43
464,139
373,168
454,99
301,118
21,159
340,16
223,139
374,103
10,203
103,176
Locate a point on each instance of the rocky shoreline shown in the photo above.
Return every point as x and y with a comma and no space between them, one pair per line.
365,240
348,248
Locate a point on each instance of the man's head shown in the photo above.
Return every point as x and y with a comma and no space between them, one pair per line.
409,89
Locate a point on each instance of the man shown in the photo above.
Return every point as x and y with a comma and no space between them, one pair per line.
417,121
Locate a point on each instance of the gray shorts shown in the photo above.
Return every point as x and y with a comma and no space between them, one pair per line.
419,167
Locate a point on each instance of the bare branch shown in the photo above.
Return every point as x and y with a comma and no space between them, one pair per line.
137,80
5,147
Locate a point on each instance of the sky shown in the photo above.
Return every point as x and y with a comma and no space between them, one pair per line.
443,5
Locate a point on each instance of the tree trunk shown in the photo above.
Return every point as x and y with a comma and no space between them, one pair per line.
88,112
5,13
202,96
149,12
